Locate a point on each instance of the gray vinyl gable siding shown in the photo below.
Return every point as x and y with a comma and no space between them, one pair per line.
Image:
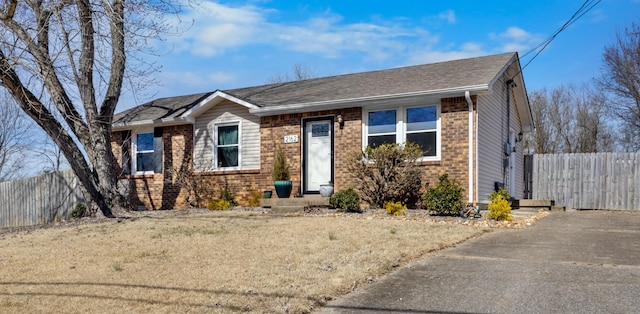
225,112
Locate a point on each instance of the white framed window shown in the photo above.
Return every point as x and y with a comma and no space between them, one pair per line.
401,124
143,152
226,146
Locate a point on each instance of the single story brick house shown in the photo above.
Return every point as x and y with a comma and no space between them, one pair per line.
468,115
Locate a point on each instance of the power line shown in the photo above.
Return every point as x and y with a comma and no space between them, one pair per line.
584,8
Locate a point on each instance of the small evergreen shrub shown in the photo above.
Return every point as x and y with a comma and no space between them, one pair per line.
79,211
228,197
445,198
218,204
499,209
395,208
346,200
280,166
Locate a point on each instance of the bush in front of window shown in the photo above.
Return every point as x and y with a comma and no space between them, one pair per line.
346,200
388,173
226,195
445,198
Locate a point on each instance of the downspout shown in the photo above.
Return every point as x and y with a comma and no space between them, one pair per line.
507,150
470,188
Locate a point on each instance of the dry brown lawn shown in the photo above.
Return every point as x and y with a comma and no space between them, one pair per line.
207,262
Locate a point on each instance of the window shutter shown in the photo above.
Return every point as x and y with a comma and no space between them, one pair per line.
157,150
126,152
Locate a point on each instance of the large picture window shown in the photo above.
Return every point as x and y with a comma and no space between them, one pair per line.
416,124
227,145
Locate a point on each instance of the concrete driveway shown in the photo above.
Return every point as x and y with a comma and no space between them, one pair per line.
567,262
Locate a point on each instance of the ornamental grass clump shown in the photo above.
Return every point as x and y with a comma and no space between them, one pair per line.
445,198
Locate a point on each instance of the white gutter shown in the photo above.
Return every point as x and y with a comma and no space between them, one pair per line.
343,103
470,103
159,122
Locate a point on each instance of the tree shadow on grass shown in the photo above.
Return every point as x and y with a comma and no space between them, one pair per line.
317,301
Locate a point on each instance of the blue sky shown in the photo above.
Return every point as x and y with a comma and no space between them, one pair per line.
235,44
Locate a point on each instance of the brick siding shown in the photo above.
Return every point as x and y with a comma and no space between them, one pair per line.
162,191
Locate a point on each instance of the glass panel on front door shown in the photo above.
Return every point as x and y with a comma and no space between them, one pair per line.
318,154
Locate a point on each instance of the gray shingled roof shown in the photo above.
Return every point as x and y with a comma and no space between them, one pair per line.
410,79
427,77
161,108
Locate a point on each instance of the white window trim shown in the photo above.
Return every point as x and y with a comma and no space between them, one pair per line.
215,145
401,129
134,150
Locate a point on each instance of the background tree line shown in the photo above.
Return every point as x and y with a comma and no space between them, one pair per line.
598,116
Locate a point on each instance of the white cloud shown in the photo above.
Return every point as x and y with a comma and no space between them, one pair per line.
220,77
515,39
218,28
467,50
449,16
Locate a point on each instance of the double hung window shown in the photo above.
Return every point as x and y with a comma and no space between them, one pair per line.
416,124
143,148
227,145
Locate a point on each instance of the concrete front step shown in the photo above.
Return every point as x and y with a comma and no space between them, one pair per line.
288,205
536,203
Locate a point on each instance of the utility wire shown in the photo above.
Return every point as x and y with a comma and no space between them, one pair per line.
584,8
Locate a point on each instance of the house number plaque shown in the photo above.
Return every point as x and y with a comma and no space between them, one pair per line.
290,139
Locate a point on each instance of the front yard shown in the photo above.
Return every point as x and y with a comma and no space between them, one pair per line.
205,261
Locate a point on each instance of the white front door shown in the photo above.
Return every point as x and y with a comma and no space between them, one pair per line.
318,154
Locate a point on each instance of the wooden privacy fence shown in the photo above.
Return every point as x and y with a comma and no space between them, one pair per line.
39,200
588,181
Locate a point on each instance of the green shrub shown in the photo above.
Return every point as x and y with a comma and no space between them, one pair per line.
388,173
445,198
218,204
346,200
395,208
502,192
79,211
499,209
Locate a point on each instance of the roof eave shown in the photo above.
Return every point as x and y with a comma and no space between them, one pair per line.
214,99
121,126
362,101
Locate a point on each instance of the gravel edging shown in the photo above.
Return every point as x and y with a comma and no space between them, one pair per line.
411,215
